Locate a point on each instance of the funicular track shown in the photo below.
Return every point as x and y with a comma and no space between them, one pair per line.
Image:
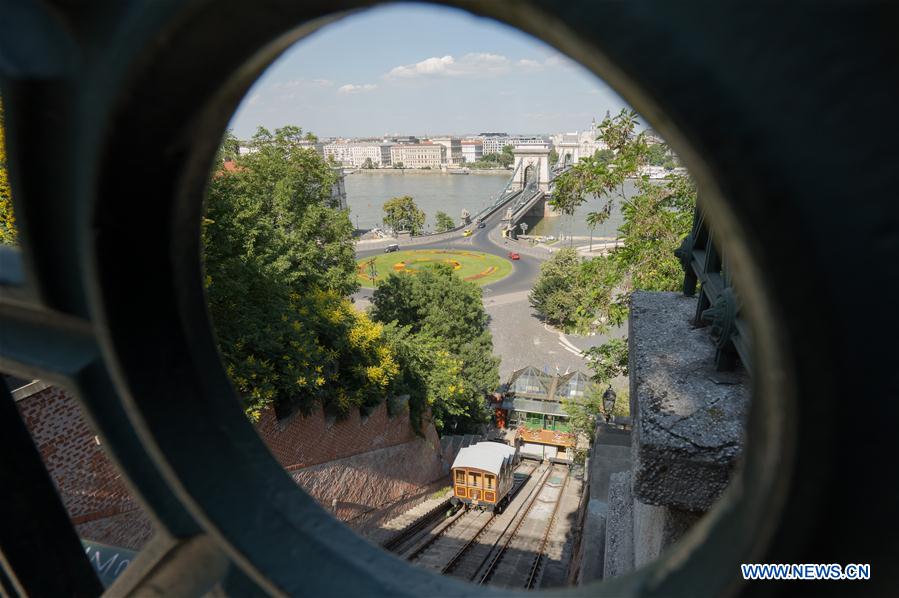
494,569
449,540
405,537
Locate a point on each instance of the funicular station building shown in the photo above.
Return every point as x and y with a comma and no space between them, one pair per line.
531,409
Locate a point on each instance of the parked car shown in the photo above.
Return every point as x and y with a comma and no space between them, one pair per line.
466,232
392,248
514,255
481,225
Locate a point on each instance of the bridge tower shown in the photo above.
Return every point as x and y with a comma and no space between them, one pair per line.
534,162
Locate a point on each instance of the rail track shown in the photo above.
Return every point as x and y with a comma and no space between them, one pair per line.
401,540
451,539
498,568
477,553
537,566
506,549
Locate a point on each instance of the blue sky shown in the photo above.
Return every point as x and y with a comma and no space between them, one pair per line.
422,70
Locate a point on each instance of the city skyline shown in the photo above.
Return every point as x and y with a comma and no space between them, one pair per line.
423,71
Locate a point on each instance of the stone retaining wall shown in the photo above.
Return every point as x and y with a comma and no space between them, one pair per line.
373,466
688,432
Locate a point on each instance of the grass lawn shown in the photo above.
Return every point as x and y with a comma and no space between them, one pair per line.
473,266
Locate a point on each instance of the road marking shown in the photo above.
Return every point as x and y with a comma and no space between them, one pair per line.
566,344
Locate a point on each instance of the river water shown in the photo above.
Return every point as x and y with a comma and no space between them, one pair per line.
451,193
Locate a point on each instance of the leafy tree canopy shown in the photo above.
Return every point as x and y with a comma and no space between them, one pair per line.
657,154
444,313
605,172
444,222
401,214
8,232
279,265
592,294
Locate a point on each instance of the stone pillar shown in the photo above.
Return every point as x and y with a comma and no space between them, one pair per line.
687,434
535,156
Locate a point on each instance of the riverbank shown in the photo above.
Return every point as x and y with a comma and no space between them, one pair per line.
424,171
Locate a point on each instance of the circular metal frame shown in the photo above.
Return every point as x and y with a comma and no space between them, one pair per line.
147,122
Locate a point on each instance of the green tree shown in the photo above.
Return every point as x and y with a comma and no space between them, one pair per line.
604,156
608,360
593,220
507,157
552,295
655,220
604,174
447,314
401,214
444,222
230,148
657,154
368,164
279,265
8,233
582,418
432,378
553,157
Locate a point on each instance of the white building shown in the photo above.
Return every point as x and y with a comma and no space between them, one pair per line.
418,155
453,147
355,154
494,142
472,151
340,152
378,153
573,147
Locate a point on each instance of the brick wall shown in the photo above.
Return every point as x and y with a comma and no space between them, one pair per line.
367,463
298,442
89,484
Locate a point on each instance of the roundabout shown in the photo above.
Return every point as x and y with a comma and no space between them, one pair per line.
472,266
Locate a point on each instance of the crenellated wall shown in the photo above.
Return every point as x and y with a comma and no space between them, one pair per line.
370,465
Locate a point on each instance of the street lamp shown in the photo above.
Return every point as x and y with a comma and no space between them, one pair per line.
608,402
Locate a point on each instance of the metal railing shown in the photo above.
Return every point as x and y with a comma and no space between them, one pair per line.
718,305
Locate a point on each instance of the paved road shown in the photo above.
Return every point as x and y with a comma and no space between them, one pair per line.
519,337
524,271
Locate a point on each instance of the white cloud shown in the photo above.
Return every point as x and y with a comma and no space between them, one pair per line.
351,88
527,63
558,60
303,84
470,65
431,66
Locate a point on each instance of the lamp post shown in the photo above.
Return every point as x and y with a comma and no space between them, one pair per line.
608,402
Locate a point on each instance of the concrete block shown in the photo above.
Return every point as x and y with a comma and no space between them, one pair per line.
689,419
656,528
593,541
619,550
607,459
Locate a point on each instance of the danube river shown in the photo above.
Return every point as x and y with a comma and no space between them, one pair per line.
451,193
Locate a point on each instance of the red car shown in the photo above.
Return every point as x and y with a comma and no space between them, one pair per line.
514,256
